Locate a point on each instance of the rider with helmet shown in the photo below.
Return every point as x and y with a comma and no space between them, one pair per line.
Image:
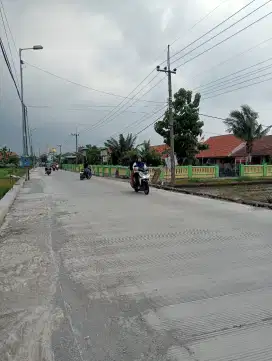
138,164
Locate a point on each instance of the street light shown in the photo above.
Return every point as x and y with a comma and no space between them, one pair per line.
24,128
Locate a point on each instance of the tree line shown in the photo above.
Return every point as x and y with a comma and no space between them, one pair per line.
188,130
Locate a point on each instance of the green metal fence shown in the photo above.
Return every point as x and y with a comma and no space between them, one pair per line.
182,172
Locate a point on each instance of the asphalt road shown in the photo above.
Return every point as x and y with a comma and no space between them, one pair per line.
90,270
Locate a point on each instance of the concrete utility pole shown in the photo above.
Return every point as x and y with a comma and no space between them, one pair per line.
169,72
24,126
76,135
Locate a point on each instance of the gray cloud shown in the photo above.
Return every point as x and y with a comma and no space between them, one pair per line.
112,46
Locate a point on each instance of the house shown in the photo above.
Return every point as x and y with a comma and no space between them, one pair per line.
7,155
105,155
221,149
261,152
161,149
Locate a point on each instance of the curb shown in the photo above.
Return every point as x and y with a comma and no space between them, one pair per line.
211,196
8,199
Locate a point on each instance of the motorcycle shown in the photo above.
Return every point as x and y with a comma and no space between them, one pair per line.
143,181
83,175
48,171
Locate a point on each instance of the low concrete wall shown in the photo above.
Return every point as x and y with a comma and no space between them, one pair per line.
8,199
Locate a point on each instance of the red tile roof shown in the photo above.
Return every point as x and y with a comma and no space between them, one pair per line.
220,146
261,147
161,149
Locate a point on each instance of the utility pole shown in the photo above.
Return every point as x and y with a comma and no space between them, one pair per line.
60,146
24,126
23,105
76,135
169,72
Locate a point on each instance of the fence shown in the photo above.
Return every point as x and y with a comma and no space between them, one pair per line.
256,171
183,172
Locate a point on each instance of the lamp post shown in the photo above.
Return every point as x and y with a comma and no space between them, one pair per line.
24,127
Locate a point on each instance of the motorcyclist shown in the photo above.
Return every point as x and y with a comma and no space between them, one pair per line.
139,164
47,167
87,170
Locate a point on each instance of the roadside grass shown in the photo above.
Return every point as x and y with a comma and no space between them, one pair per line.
7,182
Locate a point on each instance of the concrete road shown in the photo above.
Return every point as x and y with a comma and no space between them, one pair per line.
90,270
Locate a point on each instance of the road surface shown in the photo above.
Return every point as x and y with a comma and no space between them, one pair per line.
90,270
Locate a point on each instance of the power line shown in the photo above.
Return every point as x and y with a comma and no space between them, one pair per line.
222,41
113,111
200,20
223,31
213,82
191,28
82,109
232,57
106,121
220,118
215,27
243,87
5,30
141,120
116,112
149,125
152,113
225,86
77,106
12,37
206,115
85,86
9,67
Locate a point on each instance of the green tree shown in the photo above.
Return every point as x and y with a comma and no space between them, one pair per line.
43,158
4,155
150,156
93,154
244,125
187,126
13,159
119,147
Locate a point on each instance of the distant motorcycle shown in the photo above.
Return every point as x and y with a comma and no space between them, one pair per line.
143,181
48,171
84,175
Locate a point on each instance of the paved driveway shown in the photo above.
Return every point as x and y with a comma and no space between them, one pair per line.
90,270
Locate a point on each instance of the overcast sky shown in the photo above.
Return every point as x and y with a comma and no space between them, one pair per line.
112,46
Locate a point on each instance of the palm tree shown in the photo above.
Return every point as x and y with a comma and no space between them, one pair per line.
244,125
145,149
149,155
120,147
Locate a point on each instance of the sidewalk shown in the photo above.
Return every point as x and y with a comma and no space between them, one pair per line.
27,276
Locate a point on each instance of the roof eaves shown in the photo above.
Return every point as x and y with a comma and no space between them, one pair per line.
236,149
